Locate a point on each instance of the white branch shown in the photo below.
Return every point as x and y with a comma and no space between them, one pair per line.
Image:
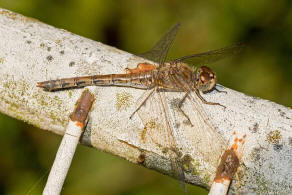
70,140
31,51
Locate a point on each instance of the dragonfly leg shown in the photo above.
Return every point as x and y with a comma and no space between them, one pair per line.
205,101
220,91
179,107
182,100
143,102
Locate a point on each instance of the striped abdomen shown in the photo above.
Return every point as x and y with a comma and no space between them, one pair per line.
136,80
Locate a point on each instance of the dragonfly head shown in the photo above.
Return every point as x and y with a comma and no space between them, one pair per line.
205,79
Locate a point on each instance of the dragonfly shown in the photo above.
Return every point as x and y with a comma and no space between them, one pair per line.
180,75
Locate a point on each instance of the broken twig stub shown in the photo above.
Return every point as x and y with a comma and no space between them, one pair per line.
228,165
82,108
77,122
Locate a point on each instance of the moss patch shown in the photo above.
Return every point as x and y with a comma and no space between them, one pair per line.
274,137
187,162
29,106
123,100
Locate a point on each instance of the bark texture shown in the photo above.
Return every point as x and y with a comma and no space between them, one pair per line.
31,51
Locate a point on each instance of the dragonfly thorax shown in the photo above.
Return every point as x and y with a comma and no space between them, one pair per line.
205,79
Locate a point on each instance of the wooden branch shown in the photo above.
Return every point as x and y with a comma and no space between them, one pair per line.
32,51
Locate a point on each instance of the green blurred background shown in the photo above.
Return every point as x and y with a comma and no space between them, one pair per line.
26,153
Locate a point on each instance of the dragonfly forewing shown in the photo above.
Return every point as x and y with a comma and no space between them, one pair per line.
211,56
159,51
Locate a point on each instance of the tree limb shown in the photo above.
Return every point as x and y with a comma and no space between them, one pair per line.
31,51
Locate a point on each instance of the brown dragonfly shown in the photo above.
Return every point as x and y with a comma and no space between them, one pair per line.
174,75
178,75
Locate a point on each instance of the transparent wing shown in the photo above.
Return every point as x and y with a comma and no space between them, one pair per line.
159,51
176,162
167,128
158,131
211,56
209,144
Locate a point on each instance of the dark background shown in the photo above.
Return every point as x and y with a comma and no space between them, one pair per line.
264,70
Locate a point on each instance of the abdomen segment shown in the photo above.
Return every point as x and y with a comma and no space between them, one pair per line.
136,80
